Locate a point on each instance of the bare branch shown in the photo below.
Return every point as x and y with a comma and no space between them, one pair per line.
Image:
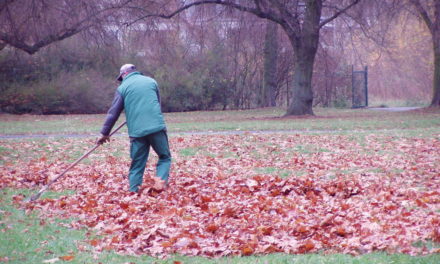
256,11
258,4
31,49
288,17
20,40
338,13
423,14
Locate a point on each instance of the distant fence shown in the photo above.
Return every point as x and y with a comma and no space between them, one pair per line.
359,88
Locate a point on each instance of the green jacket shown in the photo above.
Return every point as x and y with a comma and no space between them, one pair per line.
139,96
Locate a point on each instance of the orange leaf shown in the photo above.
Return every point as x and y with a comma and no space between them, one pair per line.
426,199
204,207
66,258
271,249
115,239
135,233
94,242
265,230
206,199
436,235
167,244
62,203
344,206
229,212
247,250
124,205
302,229
420,203
212,228
307,246
341,232
193,244
275,192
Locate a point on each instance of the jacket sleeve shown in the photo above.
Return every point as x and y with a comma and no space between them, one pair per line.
113,114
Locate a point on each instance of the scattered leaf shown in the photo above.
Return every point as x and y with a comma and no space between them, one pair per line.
67,258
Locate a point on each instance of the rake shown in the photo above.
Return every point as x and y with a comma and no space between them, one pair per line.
38,194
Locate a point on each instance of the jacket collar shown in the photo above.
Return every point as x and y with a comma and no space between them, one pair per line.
130,74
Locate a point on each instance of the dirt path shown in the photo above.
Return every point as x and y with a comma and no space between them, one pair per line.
395,109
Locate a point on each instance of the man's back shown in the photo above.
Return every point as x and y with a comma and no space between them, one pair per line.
141,104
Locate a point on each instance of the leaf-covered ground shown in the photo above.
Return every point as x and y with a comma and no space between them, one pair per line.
249,194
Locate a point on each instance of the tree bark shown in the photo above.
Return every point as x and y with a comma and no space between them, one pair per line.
433,24
305,46
435,32
270,64
436,80
302,100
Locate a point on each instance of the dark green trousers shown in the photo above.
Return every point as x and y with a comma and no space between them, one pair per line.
139,151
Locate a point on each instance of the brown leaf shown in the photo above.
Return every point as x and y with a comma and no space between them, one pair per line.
212,228
247,250
167,244
229,212
340,231
307,247
436,234
66,258
94,242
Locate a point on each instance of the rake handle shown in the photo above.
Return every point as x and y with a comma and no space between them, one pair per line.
38,194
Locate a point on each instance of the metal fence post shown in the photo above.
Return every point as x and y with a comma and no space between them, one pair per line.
366,85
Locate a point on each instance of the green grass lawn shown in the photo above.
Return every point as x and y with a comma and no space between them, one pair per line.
249,120
27,238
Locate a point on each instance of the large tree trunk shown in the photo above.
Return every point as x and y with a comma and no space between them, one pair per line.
432,21
302,100
305,47
270,64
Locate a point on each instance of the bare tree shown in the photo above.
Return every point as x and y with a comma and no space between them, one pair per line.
301,20
30,25
429,11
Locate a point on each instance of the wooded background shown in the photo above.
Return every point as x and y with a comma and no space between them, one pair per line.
61,56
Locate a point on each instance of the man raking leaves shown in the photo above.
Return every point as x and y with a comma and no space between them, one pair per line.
139,96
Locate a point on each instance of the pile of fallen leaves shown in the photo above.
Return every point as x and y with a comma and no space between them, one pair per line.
342,195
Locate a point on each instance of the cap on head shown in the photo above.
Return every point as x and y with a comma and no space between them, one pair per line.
126,68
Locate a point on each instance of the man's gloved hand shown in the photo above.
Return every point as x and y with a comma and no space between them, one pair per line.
103,139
